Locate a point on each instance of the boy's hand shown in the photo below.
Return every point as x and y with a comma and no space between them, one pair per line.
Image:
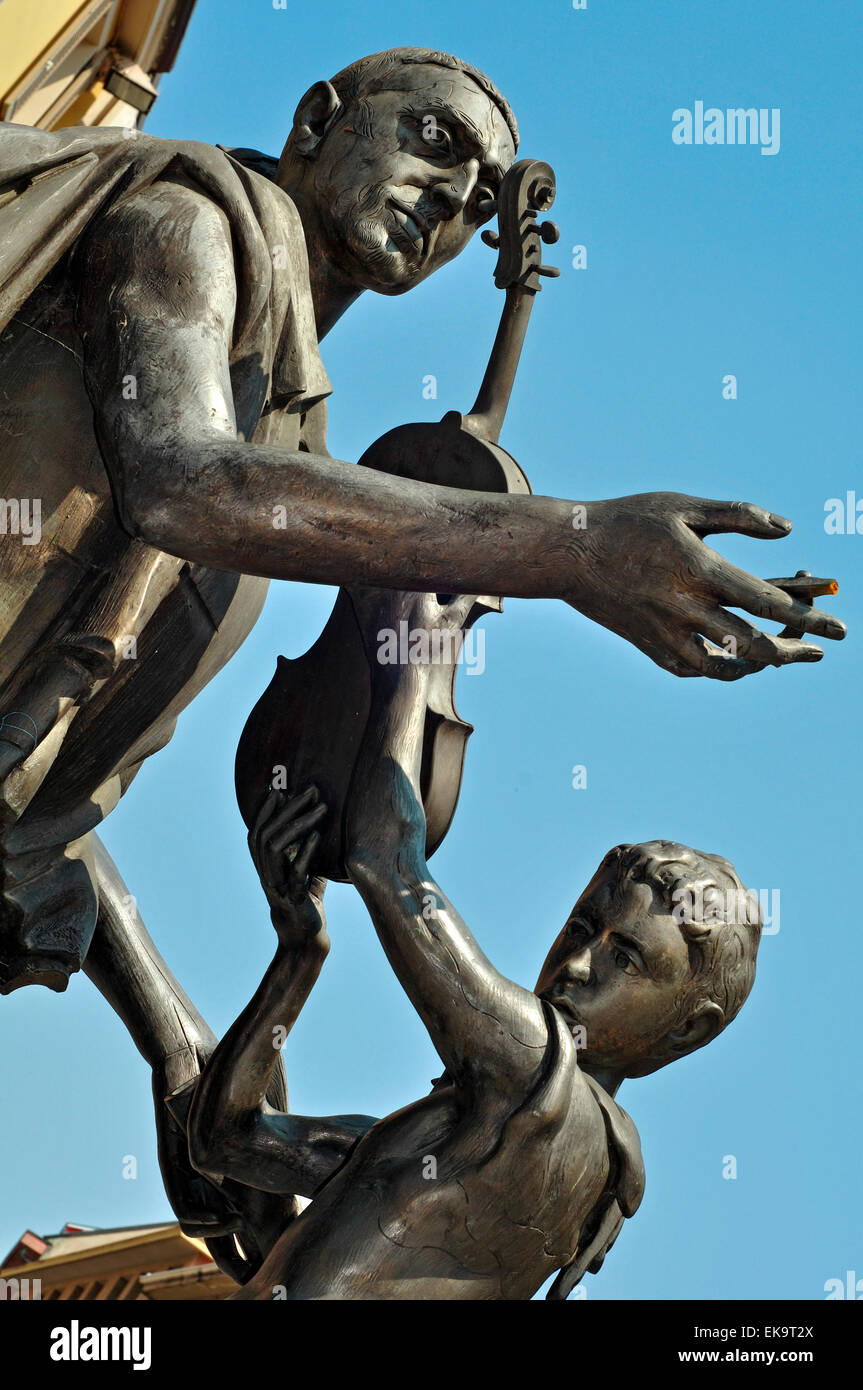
282,843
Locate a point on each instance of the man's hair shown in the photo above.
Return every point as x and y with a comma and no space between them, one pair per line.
376,72
720,921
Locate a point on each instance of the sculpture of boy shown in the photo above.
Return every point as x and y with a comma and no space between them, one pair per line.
520,1162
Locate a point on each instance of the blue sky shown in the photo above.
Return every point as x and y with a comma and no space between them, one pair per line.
702,261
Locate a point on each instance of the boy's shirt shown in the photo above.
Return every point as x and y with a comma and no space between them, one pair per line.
524,1185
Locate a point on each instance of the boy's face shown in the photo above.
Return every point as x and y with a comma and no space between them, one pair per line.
618,968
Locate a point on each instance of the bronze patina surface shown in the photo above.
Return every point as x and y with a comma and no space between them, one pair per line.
163,430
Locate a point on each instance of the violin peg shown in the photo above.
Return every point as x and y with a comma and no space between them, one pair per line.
491,239
550,232
549,270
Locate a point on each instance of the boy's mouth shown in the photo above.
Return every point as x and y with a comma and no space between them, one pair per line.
564,1006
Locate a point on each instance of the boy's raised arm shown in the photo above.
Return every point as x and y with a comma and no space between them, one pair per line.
482,1024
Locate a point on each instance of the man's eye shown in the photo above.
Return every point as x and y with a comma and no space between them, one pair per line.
622,959
437,135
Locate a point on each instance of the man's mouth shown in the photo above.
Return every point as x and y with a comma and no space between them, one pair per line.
411,230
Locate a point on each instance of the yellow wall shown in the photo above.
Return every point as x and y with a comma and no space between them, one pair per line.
27,29
60,59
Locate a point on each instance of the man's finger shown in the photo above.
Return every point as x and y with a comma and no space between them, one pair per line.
687,654
711,518
805,587
737,589
713,662
739,638
683,653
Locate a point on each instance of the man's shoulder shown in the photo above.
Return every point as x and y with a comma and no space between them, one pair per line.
211,218
55,187
173,209
264,165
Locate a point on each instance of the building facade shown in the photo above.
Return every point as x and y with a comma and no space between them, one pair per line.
86,62
129,1263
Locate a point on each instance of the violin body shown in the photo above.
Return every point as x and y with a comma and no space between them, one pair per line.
311,718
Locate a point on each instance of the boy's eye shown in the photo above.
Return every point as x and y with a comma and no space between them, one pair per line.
622,959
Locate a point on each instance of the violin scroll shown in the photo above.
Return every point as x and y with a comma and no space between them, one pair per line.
527,191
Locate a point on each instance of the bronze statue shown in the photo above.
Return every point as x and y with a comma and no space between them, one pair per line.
519,1163
164,402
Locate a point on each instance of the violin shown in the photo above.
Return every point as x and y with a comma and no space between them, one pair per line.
308,725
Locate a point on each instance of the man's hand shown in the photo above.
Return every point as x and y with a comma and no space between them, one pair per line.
282,843
645,573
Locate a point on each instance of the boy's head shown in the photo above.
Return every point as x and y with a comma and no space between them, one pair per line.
656,959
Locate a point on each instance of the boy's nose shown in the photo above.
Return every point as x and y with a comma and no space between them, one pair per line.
577,966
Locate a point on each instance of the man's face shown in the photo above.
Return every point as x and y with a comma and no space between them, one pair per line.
399,181
618,968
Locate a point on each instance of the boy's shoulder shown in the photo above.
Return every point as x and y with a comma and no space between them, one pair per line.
624,1185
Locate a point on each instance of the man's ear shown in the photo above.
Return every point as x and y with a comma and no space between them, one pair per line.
702,1026
314,117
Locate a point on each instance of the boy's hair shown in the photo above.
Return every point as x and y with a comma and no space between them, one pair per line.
720,921
375,74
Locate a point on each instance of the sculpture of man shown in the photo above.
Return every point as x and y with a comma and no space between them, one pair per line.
520,1163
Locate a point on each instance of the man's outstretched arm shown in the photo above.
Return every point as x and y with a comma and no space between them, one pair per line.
158,301
232,1130
488,1030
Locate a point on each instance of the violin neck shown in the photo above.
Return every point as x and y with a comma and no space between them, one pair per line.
487,414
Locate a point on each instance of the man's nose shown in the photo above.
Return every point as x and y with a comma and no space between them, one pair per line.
578,967
456,185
